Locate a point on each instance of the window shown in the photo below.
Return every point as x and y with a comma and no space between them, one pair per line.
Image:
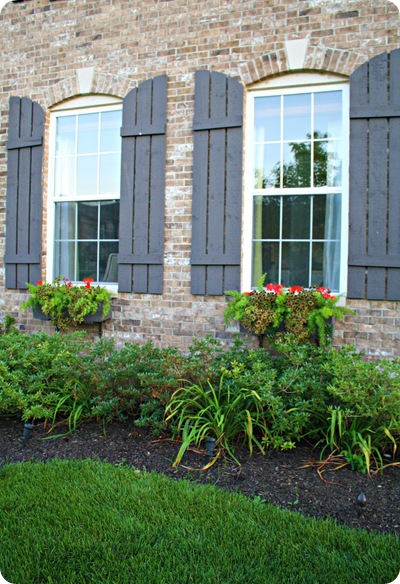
84,192
297,185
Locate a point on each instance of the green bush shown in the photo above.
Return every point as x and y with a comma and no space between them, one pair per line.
219,412
363,417
68,377
35,370
137,381
322,394
248,394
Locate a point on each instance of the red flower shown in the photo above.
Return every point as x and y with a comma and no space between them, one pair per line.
69,284
247,293
39,283
295,289
275,288
87,282
327,295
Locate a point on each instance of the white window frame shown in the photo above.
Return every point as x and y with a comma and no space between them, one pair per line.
290,85
78,105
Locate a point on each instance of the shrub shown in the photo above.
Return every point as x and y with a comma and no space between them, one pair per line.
363,417
256,398
35,370
217,412
69,377
232,394
137,381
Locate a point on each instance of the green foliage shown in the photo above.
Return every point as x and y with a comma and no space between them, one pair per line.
353,437
94,522
71,378
236,308
364,418
9,324
32,373
235,394
67,304
219,412
136,381
248,395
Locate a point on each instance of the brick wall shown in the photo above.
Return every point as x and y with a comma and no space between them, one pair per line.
43,44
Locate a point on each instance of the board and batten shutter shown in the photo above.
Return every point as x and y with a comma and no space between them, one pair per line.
217,184
141,228
24,193
374,221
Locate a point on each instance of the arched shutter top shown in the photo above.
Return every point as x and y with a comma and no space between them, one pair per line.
218,101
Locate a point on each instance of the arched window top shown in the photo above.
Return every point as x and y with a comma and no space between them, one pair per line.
298,80
94,100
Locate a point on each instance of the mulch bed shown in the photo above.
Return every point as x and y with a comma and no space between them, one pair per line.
295,479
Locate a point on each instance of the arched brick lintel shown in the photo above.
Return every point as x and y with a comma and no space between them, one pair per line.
101,83
317,58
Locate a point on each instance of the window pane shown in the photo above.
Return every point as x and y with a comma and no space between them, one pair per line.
326,264
328,114
64,180
267,166
327,210
87,260
297,165
110,138
295,264
65,135
296,217
265,260
86,182
65,221
334,164
266,217
267,118
108,261
110,174
88,132
64,259
297,117
88,220
327,164
109,220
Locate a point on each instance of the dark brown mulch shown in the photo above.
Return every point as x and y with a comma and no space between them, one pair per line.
293,479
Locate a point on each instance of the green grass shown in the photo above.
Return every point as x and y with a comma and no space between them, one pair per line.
67,522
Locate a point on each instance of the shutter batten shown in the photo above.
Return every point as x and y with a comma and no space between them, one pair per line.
24,193
374,214
143,188
217,184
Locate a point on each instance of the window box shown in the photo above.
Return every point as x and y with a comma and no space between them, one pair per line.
67,304
272,311
97,317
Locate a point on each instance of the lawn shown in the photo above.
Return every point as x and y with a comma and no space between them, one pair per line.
67,522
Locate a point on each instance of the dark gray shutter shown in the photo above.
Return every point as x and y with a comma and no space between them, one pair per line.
141,229
217,183
24,193
374,235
